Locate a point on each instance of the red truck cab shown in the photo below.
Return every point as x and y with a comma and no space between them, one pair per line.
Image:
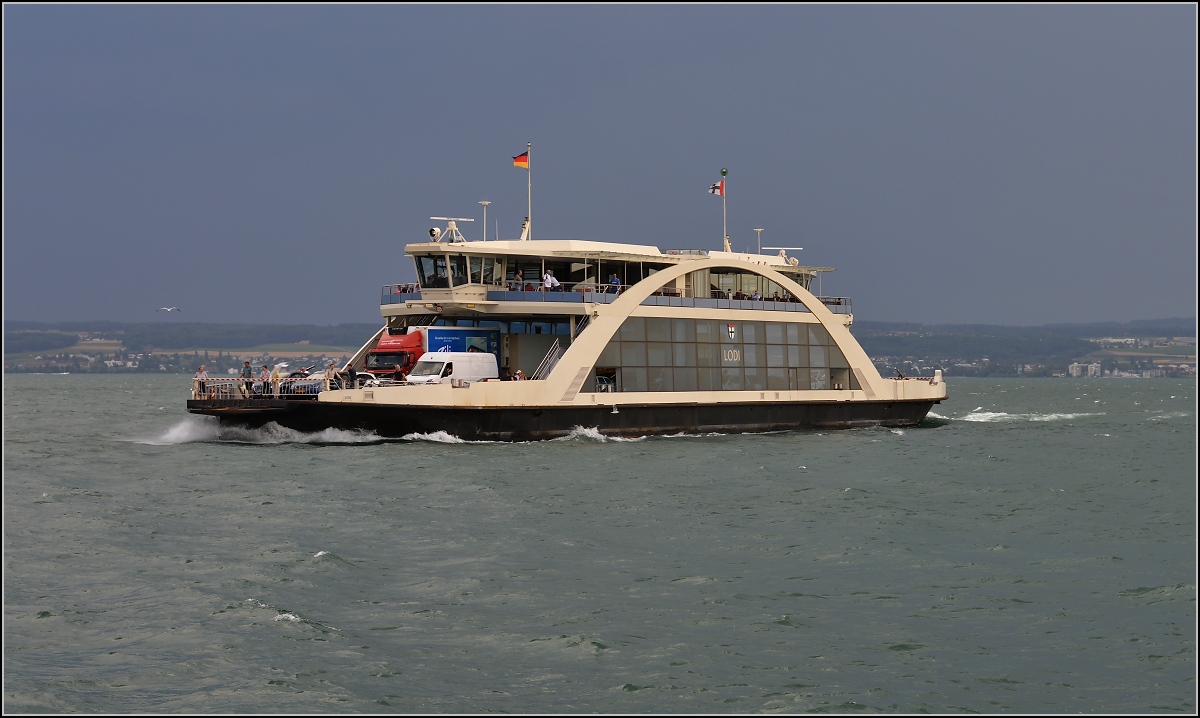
395,355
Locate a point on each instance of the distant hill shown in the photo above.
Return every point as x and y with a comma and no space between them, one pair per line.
1174,326
986,349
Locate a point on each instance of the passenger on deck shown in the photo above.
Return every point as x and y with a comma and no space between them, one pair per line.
247,381
275,381
331,375
518,282
352,377
548,281
614,284
201,377
264,376
519,376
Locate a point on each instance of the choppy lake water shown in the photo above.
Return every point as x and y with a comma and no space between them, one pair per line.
1030,548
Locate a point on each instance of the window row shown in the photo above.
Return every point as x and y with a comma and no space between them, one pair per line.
716,331
680,354
724,379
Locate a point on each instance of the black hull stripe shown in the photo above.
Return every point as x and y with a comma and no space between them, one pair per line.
523,424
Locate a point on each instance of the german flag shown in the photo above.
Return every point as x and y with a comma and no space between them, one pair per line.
521,160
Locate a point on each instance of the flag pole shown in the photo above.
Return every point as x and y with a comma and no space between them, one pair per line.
724,212
529,187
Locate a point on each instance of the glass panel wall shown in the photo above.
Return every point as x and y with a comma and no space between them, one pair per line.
661,354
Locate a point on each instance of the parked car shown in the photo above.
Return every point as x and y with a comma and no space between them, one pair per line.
296,389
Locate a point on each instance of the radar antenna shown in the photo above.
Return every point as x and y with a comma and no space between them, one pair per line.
450,233
783,254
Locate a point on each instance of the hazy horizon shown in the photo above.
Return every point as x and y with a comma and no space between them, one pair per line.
1016,165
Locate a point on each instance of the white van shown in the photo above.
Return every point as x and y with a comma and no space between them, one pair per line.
443,367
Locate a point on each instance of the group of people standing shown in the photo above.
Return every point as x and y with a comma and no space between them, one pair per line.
269,377
550,282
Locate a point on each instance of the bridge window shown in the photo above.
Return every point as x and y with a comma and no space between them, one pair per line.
432,272
493,270
458,269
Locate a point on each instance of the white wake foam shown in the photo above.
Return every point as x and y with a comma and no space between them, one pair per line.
185,432
1005,417
592,433
198,430
273,433
439,437
1169,415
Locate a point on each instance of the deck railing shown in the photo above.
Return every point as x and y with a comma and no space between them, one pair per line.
599,293
306,387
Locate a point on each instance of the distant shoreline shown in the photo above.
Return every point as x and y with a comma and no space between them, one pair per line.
1148,348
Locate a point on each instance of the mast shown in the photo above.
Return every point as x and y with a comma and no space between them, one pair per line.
724,212
529,188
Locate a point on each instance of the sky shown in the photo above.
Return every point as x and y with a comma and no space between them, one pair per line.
993,164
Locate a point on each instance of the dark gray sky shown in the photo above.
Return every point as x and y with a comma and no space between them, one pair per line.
988,163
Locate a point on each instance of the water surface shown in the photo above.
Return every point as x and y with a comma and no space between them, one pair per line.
1030,548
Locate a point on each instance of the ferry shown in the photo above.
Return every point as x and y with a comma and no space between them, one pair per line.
625,339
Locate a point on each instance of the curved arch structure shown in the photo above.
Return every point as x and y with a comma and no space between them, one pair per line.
816,376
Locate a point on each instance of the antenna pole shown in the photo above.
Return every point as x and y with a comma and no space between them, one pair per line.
724,213
529,193
485,203
759,230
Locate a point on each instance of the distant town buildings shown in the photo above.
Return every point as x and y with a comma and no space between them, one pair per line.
1084,370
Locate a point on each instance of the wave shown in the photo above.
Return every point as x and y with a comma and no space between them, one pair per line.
1169,415
285,615
592,433
191,431
1004,417
185,432
439,437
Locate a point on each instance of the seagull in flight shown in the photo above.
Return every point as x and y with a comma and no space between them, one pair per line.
167,309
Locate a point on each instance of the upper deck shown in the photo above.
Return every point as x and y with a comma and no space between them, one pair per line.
527,275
